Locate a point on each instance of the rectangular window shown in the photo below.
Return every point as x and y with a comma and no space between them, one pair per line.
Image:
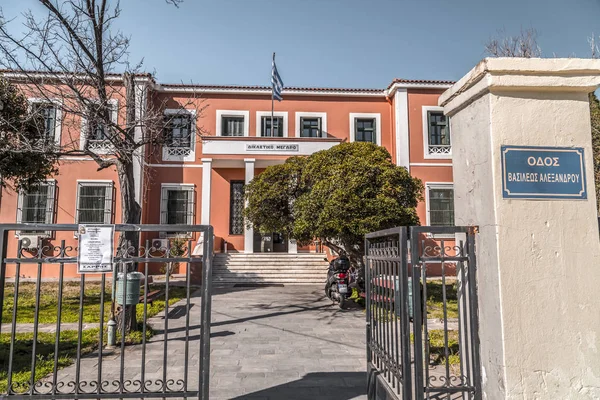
98,133
236,208
266,131
439,133
310,127
441,206
36,206
365,130
177,207
94,203
178,131
44,116
232,126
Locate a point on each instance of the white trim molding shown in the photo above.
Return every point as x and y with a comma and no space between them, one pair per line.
434,185
431,164
102,147
261,114
232,113
376,116
307,114
177,153
402,133
58,104
426,153
206,190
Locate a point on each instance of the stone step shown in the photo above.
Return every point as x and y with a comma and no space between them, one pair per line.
274,268
270,274
316,282
273,264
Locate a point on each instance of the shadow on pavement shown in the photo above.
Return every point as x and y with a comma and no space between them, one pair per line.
316,386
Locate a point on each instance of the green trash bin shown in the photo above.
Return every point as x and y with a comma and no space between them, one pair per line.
133,288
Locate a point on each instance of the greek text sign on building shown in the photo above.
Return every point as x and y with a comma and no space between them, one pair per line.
543,173
272,147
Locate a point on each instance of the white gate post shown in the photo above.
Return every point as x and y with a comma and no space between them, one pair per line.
538,259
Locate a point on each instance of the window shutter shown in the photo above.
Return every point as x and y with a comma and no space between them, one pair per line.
108,203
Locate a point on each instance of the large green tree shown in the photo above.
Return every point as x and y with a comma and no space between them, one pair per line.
336,196
595,117
26,155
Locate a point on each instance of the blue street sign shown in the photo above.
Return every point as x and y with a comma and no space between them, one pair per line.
543,173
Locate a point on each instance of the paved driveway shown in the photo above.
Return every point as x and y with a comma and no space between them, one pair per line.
286,343
266,343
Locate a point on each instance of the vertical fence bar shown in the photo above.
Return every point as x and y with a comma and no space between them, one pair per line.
473,313
3,251
166,333
206,315
397,334
187,317
14,318
101,333
80,328
388,303
61,272
463,321
417,314
405,315
122,286
368,301
36,315
445,317
144,323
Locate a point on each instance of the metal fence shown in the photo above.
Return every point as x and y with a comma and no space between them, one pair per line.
422,319
45,355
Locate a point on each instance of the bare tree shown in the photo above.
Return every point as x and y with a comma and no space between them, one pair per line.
74,58
523,45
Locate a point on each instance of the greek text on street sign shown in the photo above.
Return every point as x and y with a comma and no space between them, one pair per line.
543,173
96,246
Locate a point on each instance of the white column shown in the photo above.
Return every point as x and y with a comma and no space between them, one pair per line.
141,90
402,133
292,246
206,186
249,232
537,259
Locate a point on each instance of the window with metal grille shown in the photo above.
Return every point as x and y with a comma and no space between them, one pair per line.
97,132
177,207
36,206
310,127
232,126
178,130
439,133
277,130
441,206
365,130
236,208
44,116
94,203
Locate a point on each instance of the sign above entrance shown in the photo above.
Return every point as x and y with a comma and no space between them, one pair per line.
272,147
96,247
543,173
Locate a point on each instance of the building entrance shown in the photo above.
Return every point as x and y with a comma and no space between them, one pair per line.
270,243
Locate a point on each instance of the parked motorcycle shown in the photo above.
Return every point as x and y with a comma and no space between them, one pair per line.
336,288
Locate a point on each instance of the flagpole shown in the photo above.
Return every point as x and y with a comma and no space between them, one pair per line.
272,98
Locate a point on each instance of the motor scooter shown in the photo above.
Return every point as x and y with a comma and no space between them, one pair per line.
336,288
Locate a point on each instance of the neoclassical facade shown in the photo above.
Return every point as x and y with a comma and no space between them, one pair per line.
220,137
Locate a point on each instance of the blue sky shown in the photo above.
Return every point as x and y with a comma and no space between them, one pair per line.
336,43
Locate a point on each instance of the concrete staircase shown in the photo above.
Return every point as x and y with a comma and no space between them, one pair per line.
269,268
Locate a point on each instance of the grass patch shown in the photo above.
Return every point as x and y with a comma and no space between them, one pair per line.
437,354
67,351
49,298
435,299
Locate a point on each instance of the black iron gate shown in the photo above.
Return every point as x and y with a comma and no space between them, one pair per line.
422,320
57,334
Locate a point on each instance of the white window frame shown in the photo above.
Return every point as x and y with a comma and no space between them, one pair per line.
233,113
306,114
261,114
58,119
191,156
108,198
164,188
436,185
50,208
426,153
106,147
375,116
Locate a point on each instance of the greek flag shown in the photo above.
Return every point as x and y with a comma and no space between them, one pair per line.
276,82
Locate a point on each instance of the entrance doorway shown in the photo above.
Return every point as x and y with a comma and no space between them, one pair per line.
270,243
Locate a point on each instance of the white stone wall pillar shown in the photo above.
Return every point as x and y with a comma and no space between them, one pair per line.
248,231
538,260
206,190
